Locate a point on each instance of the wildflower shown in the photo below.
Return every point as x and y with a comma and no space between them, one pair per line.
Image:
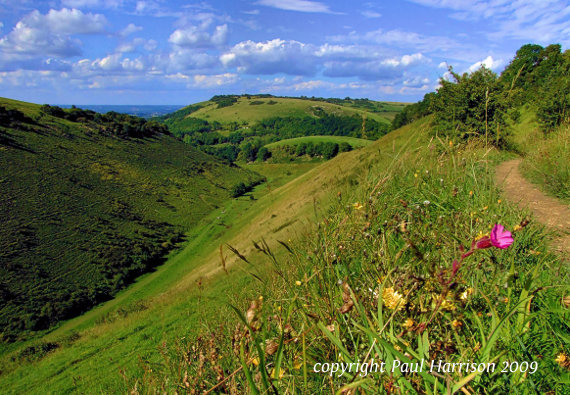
451,143
563,360
499,238
255,361
416,175
499,201
298,283
465,294
393,299
456,324
427,202
470,193
517,228
357,206
408,323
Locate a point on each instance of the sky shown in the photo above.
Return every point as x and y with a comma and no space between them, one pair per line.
182,52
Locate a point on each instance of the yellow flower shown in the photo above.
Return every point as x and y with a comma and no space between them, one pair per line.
416,175
517,228
298,283
408,323
456,324
499,201
357,206
470,193
255,361
465,294
393,299
561,358
451,143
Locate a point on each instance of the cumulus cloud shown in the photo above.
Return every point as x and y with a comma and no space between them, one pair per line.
130,29
390,68
50,34
209,81
297,5
197,37
271,57
488,62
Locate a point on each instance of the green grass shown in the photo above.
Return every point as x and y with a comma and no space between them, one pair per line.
83,213
169,304
353,141
546,157
243,112
397,228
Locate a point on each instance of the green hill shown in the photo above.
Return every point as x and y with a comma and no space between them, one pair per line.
353,141
235,127
90,202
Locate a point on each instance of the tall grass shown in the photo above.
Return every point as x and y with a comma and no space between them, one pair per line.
376,282
548,164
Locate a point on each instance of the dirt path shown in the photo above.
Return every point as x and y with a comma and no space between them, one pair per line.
547,210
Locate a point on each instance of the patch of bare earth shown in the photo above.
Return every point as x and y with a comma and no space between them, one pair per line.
547,210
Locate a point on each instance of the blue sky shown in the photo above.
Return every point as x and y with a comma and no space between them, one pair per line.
180,52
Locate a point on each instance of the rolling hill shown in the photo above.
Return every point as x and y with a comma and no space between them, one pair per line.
89,202
235,127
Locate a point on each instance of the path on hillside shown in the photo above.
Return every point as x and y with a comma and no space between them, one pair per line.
547,210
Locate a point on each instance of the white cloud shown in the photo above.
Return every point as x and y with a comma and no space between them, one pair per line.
209,81
443,65
92,4
371,14
271,57
195,36
542,21
488,62
297,5
130,29
373,70
50,34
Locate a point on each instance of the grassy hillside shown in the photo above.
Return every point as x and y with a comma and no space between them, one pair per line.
86,208
190,290
237,127
253,109
393,272
353,141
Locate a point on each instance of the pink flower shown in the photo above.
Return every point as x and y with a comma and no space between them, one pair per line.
500,237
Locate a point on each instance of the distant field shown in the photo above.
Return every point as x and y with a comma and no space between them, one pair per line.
353,141
255,109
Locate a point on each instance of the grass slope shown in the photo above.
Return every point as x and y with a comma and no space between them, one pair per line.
376,278
353,141
190,290
245,111
83,214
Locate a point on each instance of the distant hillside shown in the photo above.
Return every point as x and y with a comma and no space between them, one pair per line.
89,202
235,127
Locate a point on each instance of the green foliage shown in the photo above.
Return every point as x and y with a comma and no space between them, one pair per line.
84,213
111,123
472,105
548,163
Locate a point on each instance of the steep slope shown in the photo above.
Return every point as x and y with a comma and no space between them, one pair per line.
193,288
87,206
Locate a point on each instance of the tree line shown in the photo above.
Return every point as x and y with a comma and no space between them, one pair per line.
481,103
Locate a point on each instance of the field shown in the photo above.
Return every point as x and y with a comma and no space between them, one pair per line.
353,141
251,110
